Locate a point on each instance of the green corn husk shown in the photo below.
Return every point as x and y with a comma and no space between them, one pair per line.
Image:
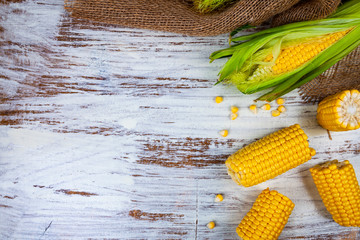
247,53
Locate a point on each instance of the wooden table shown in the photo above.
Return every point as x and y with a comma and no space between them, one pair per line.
112,133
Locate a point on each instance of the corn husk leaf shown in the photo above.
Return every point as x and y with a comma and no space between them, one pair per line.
247,52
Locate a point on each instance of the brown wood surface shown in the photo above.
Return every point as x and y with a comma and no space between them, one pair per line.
112,133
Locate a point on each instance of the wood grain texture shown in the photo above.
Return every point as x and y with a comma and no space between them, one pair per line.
112,133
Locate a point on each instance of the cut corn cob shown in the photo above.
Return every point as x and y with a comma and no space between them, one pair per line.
267,217
339,190
340,112
290,55
270,156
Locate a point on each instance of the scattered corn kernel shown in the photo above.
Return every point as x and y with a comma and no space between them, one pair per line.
234,109
267,217
224,133
219,198
233,116
275,113
281,108
339,190
211,225
270,156
253,108
280,101
218,99
266,107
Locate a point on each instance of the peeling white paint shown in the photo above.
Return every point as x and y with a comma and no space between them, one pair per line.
94,119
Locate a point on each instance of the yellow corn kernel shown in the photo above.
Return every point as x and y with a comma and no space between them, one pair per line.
275,113
267,217
224,133
233,116
219,99
280,101
211,225
339,189
266,107
281,108
340,112
234,109
253,108
219,198
270,156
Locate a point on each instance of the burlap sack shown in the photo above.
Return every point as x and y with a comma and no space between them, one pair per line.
306,10
180,17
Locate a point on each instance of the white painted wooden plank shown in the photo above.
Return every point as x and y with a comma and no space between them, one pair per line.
110,132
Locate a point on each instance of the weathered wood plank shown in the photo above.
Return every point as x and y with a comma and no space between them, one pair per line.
110,132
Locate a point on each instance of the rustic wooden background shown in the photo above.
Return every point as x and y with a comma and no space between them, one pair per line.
112,133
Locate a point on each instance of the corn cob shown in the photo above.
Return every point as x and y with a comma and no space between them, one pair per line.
339,190
270,156
267,217
293,57
340,112
290,55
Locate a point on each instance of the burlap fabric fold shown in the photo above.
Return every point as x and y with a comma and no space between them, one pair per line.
306,10
180,17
